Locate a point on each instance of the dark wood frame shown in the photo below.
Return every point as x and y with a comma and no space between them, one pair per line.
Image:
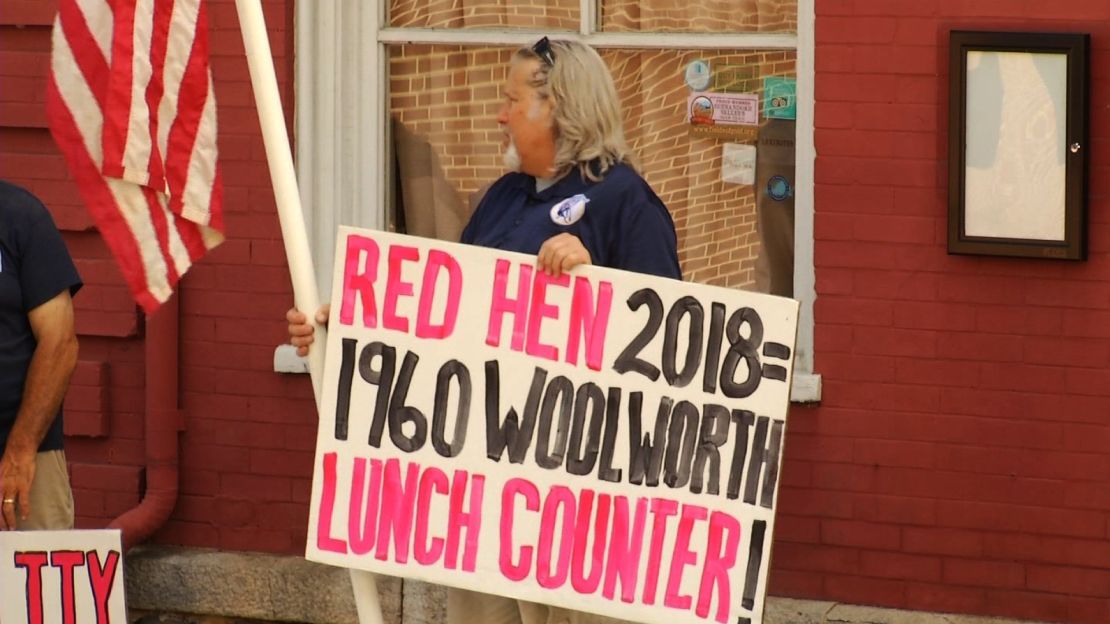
1076,47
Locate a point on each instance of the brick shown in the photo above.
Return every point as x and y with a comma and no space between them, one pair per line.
281,463
1067,580
104,477
936,597
856,312
863,368
1027,604
902,510
813,502
1023,518
807,557
860,534
900,566
260,488
866,590
792,583
942,541
980,573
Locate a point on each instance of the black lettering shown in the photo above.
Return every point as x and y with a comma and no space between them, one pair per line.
560,389
645,456
383,379
755,462
606,472
745,349
343,392
399,413
713,347
681,436
713,433
741,420
581,461
686,306
629,359
516,436
755,559
453,369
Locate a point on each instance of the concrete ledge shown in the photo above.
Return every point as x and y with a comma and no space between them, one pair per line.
162,579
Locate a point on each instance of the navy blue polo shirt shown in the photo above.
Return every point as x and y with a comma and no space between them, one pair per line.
620,220
34,268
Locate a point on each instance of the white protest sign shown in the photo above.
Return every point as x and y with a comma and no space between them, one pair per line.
605,441
68,577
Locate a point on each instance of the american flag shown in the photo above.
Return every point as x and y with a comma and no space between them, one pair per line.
130,104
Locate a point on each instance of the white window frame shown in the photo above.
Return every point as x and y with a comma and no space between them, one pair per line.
342,123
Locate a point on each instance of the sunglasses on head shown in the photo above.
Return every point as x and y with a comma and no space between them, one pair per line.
542,48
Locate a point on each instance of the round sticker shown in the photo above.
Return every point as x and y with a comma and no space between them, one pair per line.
697,75
569,210
778,188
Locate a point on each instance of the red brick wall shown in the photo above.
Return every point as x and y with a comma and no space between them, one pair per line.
960,459
246,451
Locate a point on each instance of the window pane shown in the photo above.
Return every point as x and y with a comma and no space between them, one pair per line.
535,14
444,100
715,16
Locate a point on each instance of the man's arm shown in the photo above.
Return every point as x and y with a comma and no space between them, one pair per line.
47,379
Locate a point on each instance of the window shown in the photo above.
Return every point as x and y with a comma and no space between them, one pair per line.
423,97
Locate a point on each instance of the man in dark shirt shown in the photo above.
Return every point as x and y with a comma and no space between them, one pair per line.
38,351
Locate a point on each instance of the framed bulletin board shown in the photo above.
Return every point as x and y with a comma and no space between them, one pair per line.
1017,144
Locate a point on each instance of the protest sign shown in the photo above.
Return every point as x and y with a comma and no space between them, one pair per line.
604,441
68,577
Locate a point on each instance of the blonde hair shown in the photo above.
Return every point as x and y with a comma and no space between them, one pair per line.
586,109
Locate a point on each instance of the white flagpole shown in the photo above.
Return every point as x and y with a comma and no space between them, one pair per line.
306,297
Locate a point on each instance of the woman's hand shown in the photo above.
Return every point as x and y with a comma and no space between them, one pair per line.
301,331
561,253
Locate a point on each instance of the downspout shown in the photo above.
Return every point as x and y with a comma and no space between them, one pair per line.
163,423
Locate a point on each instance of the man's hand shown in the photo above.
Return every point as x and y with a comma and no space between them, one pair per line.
561,253
17,471
301,331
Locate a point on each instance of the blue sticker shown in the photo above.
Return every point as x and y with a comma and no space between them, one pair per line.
779,189
697,75
569,210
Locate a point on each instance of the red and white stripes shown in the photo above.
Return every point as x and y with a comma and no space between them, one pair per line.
131,106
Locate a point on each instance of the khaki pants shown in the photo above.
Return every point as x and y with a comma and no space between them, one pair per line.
467,607
51,496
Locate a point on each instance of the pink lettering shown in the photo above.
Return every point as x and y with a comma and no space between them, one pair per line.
362,520
425,552
65,561
623,562
581,582
524,488
502,304
541,310
397,510
718,561
102,579
360,284
458,520
438,260
559,498
682,557
589,323
661,509
324,540
33,563
395,287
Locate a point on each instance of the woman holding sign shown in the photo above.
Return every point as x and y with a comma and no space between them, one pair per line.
571,198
